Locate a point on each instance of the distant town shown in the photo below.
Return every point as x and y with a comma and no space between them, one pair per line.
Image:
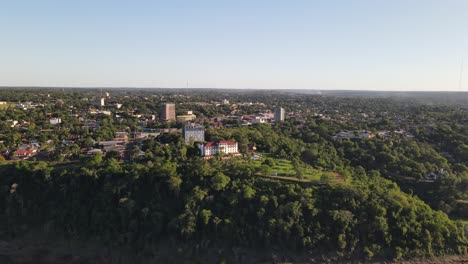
92,112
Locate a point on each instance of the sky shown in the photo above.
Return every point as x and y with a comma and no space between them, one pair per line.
348,44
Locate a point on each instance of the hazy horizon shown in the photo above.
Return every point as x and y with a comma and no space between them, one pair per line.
320,45
231,88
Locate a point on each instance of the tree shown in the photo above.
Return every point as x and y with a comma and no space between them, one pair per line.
219,181
174,183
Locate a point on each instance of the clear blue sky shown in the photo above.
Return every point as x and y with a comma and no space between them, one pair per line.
372,45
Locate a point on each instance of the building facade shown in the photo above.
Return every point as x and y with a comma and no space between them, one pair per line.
99,101
193,133
186,118
168,112
279,114
55,121
210,149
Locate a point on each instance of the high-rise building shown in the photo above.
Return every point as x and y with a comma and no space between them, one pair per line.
279,114
168,112
193,133
99,102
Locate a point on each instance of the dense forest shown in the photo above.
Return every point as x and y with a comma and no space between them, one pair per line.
198,200
399,195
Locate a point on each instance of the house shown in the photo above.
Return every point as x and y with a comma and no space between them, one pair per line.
113,145
345,135
252,149
26,151
258,120
12,123
93,152
23,154
55,121
366,134
121,136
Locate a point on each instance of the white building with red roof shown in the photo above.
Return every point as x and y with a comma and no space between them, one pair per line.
210,149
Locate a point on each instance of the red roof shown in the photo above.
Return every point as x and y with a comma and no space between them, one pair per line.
209,144
226,142
23,152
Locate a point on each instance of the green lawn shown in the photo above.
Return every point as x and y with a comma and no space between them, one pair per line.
283,167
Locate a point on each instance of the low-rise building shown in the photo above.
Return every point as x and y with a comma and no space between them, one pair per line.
210,149
93,152
55,121
354,135
26,151
121,136
258,120
22,154
140,135
186,118
12,123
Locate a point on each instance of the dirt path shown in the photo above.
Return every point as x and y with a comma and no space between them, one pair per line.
338,179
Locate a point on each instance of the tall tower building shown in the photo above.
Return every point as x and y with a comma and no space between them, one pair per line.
99,101
193,133
279,114
168,112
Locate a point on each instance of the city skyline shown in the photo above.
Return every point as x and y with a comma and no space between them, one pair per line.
319,45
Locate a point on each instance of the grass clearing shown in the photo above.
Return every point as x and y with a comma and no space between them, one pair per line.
284,167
